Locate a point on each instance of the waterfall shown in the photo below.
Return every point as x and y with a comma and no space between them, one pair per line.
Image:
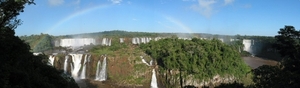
76,42
83,71
71,67
97,72
89,58
66,64
153,80
102,74
51,60
109,43
151,62
144,61
104,41
76,58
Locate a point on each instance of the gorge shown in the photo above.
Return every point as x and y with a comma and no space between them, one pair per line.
145,71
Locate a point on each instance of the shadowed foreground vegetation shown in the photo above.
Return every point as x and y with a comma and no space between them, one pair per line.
18,67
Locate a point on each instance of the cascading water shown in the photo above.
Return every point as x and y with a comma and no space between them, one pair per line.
109,43
66,63
151,62
98,70
84,68
144,61
51,60
76,58
101,76
72,67
153,80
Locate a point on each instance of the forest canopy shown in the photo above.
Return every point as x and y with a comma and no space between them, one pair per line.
203,59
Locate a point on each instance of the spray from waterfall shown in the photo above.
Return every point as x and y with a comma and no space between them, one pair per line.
153,80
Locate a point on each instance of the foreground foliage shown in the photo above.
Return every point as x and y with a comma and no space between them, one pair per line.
286,74
18,67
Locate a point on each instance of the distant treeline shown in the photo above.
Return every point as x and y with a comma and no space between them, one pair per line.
39,43
44,42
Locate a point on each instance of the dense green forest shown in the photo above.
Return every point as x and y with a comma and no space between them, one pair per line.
43,42
39,43
201,59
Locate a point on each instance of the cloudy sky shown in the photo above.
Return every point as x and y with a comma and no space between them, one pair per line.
230,17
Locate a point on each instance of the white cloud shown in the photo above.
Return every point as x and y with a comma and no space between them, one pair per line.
55,2
209,7
227,2
205,7
116,1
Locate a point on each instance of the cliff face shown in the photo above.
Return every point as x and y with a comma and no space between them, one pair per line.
124,67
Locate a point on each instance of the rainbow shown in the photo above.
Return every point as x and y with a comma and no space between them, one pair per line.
181,25
76,14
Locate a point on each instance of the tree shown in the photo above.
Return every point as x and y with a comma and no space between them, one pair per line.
196,59
18,67
288,45
43,44
286,74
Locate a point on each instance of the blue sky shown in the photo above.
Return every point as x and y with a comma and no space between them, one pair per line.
230,17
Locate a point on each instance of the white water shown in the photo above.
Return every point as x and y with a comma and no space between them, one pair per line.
51,60
89,58
248,44
71,67
83,71
102,74
153,80
151,62
121,40
76,58
66,64
77,42
109,43
106,42
98,70
144,61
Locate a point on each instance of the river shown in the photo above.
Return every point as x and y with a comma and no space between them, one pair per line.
255,62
